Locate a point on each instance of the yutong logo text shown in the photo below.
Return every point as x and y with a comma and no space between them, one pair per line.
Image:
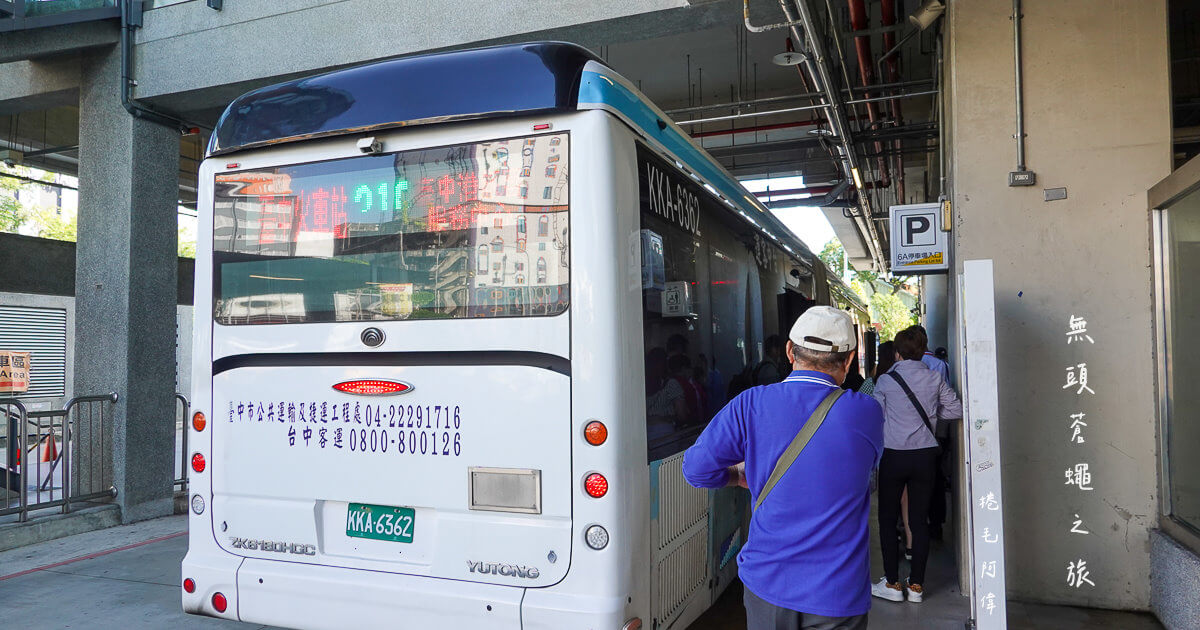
273,545
508,570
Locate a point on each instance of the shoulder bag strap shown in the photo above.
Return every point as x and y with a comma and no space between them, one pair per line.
799,442
913,397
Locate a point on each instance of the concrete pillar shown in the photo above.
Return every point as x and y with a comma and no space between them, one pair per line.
1098,123
125,285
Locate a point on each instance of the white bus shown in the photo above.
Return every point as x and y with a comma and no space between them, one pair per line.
465,312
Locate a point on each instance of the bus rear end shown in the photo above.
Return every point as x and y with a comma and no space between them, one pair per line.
386,382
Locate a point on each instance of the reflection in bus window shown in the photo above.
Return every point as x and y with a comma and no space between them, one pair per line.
339,237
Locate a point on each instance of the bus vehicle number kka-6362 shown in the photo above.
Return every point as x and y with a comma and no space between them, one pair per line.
432,430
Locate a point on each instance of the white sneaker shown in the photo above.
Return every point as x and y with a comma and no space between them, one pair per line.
890,592
915,592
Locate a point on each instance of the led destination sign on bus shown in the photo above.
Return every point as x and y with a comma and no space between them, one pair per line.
448,192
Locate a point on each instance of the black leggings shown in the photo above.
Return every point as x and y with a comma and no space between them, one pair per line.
915,470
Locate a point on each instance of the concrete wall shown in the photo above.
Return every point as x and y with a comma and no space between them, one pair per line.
249,44
47,267
1098,122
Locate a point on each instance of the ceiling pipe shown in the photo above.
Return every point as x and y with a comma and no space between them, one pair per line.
756,128
767,27
818,68
796,97
805,108
862,46
887,10
806,190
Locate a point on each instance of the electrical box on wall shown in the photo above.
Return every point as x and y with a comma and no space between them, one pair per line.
1022,178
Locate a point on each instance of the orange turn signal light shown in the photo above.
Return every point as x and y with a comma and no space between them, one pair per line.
199,421
595,433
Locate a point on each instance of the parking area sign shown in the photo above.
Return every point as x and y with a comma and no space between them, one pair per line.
918,242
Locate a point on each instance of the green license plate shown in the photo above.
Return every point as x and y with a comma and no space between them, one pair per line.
380,522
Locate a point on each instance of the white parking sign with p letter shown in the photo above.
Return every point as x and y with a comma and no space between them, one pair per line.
918,242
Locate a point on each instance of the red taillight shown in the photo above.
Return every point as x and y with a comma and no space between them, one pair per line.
199,421
595,433
596,485
219,602
189,585
541,127
373,387
198,462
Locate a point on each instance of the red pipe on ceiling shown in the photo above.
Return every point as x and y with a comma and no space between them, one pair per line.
887,11
862,46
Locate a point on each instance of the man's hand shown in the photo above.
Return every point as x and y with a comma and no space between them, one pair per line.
737,476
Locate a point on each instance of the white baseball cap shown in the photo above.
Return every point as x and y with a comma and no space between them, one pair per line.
825,329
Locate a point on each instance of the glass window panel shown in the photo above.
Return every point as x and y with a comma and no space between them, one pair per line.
397,236
1183,317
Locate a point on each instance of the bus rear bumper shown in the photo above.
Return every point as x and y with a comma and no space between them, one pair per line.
308,596
548,609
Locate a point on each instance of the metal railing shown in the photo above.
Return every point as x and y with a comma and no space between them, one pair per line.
81,470
183,410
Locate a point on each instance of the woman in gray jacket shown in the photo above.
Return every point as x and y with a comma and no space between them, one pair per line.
913,398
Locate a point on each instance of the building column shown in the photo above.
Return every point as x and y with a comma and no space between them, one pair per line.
125,287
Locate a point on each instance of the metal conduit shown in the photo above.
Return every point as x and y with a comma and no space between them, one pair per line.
1020,86
788,110
819,71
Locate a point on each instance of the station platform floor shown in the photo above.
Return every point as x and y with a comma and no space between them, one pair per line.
128,577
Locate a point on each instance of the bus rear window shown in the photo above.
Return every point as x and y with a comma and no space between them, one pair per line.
471,230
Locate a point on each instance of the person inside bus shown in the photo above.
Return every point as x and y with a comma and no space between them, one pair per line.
679,367
666,403
772,368
913,398
714,385
806,562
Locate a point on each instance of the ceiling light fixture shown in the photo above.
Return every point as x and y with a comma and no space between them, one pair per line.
789,58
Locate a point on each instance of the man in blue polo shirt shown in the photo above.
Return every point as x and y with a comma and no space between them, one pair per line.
806,563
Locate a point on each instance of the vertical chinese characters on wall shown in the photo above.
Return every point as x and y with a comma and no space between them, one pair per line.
1078,474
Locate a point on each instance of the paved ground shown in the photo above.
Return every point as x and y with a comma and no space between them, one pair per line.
128,578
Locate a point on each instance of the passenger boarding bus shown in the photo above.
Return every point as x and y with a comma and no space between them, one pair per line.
465,313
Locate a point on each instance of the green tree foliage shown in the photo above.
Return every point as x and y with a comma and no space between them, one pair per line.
888,310
187,243
12,214
52,224
834,255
